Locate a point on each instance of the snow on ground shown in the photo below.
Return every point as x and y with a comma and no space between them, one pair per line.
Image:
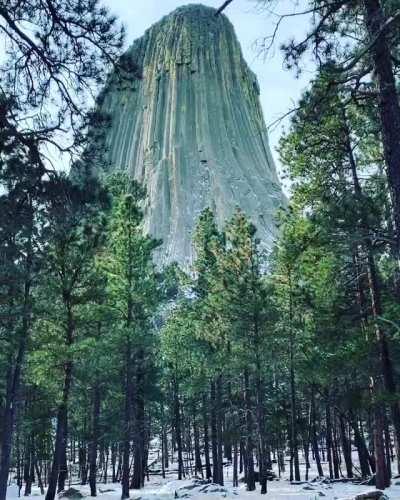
196,489
159,489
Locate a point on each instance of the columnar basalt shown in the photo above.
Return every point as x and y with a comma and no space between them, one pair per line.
191,130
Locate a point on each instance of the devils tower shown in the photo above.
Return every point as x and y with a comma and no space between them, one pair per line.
191,130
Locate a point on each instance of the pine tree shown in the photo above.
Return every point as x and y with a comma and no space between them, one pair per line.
327,173
133,293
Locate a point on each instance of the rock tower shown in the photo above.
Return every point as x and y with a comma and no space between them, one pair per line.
191,130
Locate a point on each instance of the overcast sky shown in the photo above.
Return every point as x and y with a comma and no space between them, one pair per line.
279,88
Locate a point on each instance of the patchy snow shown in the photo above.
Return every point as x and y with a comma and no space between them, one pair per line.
193,488
159,489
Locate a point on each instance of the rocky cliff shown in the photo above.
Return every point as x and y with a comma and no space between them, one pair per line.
191,130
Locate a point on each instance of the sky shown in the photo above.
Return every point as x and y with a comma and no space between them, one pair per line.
280,89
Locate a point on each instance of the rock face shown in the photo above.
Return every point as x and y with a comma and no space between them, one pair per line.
191,130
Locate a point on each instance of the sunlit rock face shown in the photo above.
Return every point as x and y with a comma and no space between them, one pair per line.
191,130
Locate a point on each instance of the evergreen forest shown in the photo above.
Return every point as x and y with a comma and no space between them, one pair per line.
252,364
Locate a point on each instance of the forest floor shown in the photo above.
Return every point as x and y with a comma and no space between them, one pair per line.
159,489
196,489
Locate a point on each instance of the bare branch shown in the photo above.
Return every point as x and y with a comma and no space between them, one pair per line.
223,7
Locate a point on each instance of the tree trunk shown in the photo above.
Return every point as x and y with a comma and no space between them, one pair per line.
242,458
293,409
260,413
206,439
228,422
306,442
385,359
235,478
329,439
139,436
382,479
164,443
63,469
39,477
29,471
214,436
114,462
361,447
346,446
13,381
335,453
198,466
128,389
388,103
106,464
166,457
387,447
61,434
250,476
82,463
374,289
178,430
93,445
314,440
218,411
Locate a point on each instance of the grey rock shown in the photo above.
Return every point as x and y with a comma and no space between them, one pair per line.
195,484
71,493
371,495
191,130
